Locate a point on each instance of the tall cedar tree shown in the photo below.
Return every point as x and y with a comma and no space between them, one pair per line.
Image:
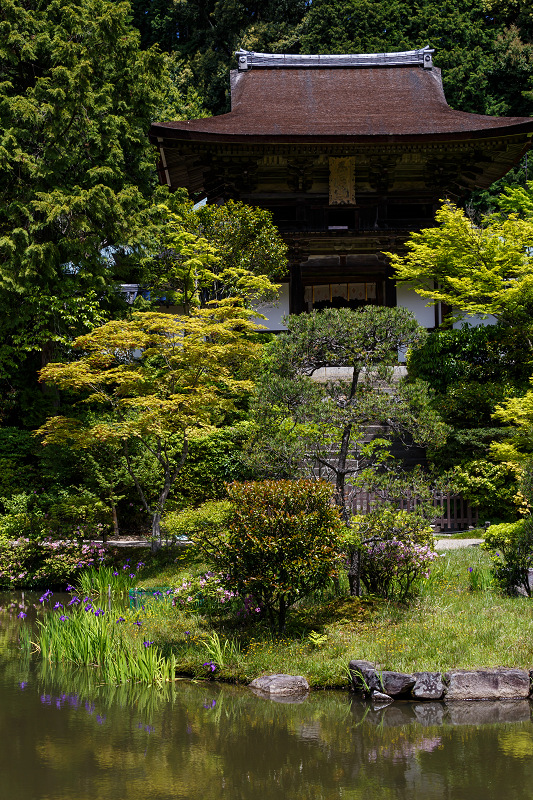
76,168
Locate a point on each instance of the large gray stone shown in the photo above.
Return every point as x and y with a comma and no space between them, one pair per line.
364,676
280,685
428,686
397,684
487,684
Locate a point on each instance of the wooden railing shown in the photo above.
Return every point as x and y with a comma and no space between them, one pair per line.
452,512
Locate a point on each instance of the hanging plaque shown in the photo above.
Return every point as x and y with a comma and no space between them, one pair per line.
342,181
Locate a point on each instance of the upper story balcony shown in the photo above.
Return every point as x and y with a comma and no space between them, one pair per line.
364,218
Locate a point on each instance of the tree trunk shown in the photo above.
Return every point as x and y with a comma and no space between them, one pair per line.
354,573
116,531
343,455
282,616
156,532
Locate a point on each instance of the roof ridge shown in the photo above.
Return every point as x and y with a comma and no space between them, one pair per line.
248,59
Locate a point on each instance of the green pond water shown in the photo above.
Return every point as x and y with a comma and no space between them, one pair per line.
64,737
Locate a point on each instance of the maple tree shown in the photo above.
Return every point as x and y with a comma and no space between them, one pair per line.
158,382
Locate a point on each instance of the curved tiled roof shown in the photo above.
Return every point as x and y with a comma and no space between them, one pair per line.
339,104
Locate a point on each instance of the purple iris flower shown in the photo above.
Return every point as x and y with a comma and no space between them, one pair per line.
23,684
74,601
70,588
138,622
147,644
99,612
121,619
88,608
58,606
115,574
63,618
22,615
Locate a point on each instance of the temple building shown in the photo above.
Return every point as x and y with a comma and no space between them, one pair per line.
350,153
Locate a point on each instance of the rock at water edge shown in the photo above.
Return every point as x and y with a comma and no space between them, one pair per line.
279,684
487,684
428,686
364,676
397,684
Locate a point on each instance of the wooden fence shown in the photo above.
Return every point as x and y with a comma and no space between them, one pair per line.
452,512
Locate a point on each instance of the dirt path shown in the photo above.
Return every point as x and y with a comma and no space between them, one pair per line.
455,544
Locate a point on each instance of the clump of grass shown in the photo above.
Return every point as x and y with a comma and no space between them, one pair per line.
92,637
104,579
480,579
475,533
222,652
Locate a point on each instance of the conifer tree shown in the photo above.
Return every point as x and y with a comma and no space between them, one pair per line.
76,168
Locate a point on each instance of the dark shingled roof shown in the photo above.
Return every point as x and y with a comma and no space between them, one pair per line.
339,104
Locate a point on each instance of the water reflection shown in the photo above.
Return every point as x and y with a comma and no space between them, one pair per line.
67,737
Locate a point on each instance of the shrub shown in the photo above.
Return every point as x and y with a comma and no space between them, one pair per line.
471,404
210,516
74,513
281,544
21,518
395,551
483,354
491,488
35,563
213,461
511,549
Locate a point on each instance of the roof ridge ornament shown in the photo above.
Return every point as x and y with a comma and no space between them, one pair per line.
248,59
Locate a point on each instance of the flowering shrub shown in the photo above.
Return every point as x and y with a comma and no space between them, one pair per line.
395,551
390,567
281,543
28,562
209,594
204,591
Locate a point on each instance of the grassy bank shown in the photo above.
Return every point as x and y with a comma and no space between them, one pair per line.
448,625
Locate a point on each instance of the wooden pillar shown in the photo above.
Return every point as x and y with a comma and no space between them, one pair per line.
390,289
296,290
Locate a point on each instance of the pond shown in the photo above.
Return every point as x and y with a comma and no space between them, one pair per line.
64,737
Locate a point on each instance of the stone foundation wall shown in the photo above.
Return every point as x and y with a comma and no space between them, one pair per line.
383,686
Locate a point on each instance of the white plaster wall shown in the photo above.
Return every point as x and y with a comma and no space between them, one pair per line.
274,313
475,321
408,298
